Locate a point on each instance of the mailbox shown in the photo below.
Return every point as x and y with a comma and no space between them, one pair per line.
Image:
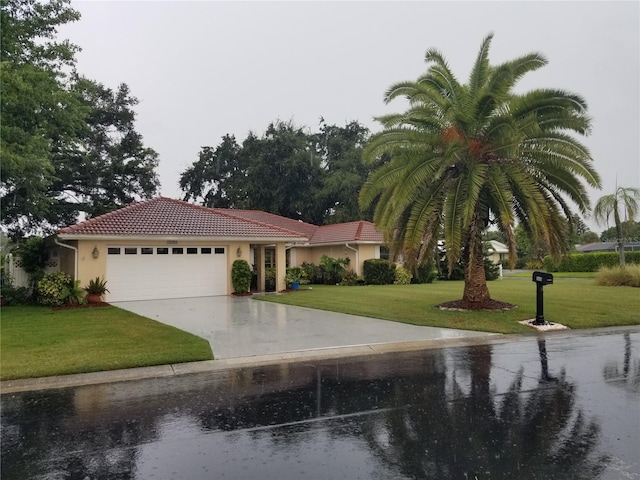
542,278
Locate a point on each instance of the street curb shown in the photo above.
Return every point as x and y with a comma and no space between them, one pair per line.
330,353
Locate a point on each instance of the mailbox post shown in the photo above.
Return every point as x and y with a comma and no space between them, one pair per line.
541,279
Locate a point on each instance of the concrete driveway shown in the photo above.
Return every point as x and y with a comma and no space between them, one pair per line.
242,326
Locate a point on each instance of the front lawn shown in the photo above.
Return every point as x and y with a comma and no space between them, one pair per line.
574,302
39,342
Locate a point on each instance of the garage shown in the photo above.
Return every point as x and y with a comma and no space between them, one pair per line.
155,272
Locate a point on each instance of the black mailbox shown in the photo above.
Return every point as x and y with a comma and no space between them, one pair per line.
542,278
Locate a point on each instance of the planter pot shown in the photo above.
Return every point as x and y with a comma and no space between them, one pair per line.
295,285
94,298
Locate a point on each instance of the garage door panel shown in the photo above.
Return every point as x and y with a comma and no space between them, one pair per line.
172,275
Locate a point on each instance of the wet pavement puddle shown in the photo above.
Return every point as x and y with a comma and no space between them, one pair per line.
567,407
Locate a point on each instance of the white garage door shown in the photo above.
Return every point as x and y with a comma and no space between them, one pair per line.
149,273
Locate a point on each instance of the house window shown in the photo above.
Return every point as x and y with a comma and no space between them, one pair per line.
219,250
384,252
113,251
205,250
177,250
130,251
192,250
146,251
162,251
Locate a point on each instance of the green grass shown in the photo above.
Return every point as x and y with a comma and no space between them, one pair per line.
574,302
39,342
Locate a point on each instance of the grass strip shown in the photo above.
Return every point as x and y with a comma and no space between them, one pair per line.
39,342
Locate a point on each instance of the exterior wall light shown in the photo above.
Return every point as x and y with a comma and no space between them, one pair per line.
239,252
96,252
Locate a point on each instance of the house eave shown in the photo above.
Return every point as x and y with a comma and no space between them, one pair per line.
333,244
175,238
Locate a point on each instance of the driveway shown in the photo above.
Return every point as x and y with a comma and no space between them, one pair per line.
242,327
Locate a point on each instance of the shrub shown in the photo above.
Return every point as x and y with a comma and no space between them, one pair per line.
534,265
12,295
312,272
53,288
491,270
33,255
378,271
333,269
241,276
349,278
618,276
425,273
589,262
402,276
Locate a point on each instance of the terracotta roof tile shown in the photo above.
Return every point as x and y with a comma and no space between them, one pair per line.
163,216
359,231
307,229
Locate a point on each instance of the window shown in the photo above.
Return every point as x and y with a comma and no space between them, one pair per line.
162,251
384,252
177,250
205,250
219,250
113,251
130,251
146,251
192,250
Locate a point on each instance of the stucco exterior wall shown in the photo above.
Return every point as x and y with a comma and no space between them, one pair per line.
314,254
90,267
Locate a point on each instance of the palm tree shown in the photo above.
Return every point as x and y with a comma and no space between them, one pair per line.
626,198
465,156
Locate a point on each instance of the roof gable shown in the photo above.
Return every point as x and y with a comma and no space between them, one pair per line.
166,217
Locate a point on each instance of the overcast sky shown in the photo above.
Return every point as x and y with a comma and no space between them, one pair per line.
205,69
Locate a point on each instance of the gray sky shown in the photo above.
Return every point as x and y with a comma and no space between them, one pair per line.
205,69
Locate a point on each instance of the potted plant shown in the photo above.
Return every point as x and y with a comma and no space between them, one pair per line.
96,288
293,277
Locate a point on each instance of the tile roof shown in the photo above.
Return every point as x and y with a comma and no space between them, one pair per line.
167,217
359,231
307,229
163,216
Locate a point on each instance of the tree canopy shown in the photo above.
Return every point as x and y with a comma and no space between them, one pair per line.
623,202
289,171
68,143
464,157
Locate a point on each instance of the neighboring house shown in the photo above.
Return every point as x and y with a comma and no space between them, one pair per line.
607,247
498,252
166,248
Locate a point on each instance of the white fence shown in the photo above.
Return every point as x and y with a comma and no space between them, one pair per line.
20,278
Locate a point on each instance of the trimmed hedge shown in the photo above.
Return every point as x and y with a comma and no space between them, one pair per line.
588,262
378,271
241,276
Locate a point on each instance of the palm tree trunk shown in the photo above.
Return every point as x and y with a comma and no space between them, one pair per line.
620,239
475,281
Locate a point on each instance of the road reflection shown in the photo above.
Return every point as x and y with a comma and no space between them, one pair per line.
486,411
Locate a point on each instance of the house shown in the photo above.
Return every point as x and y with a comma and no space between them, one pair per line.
166,248
498,252
607,247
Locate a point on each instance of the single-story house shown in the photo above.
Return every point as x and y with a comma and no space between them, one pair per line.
166,248
607,247
498,252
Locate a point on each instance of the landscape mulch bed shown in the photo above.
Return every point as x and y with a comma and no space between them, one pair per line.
489,304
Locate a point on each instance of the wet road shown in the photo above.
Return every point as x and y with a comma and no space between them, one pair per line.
567,407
